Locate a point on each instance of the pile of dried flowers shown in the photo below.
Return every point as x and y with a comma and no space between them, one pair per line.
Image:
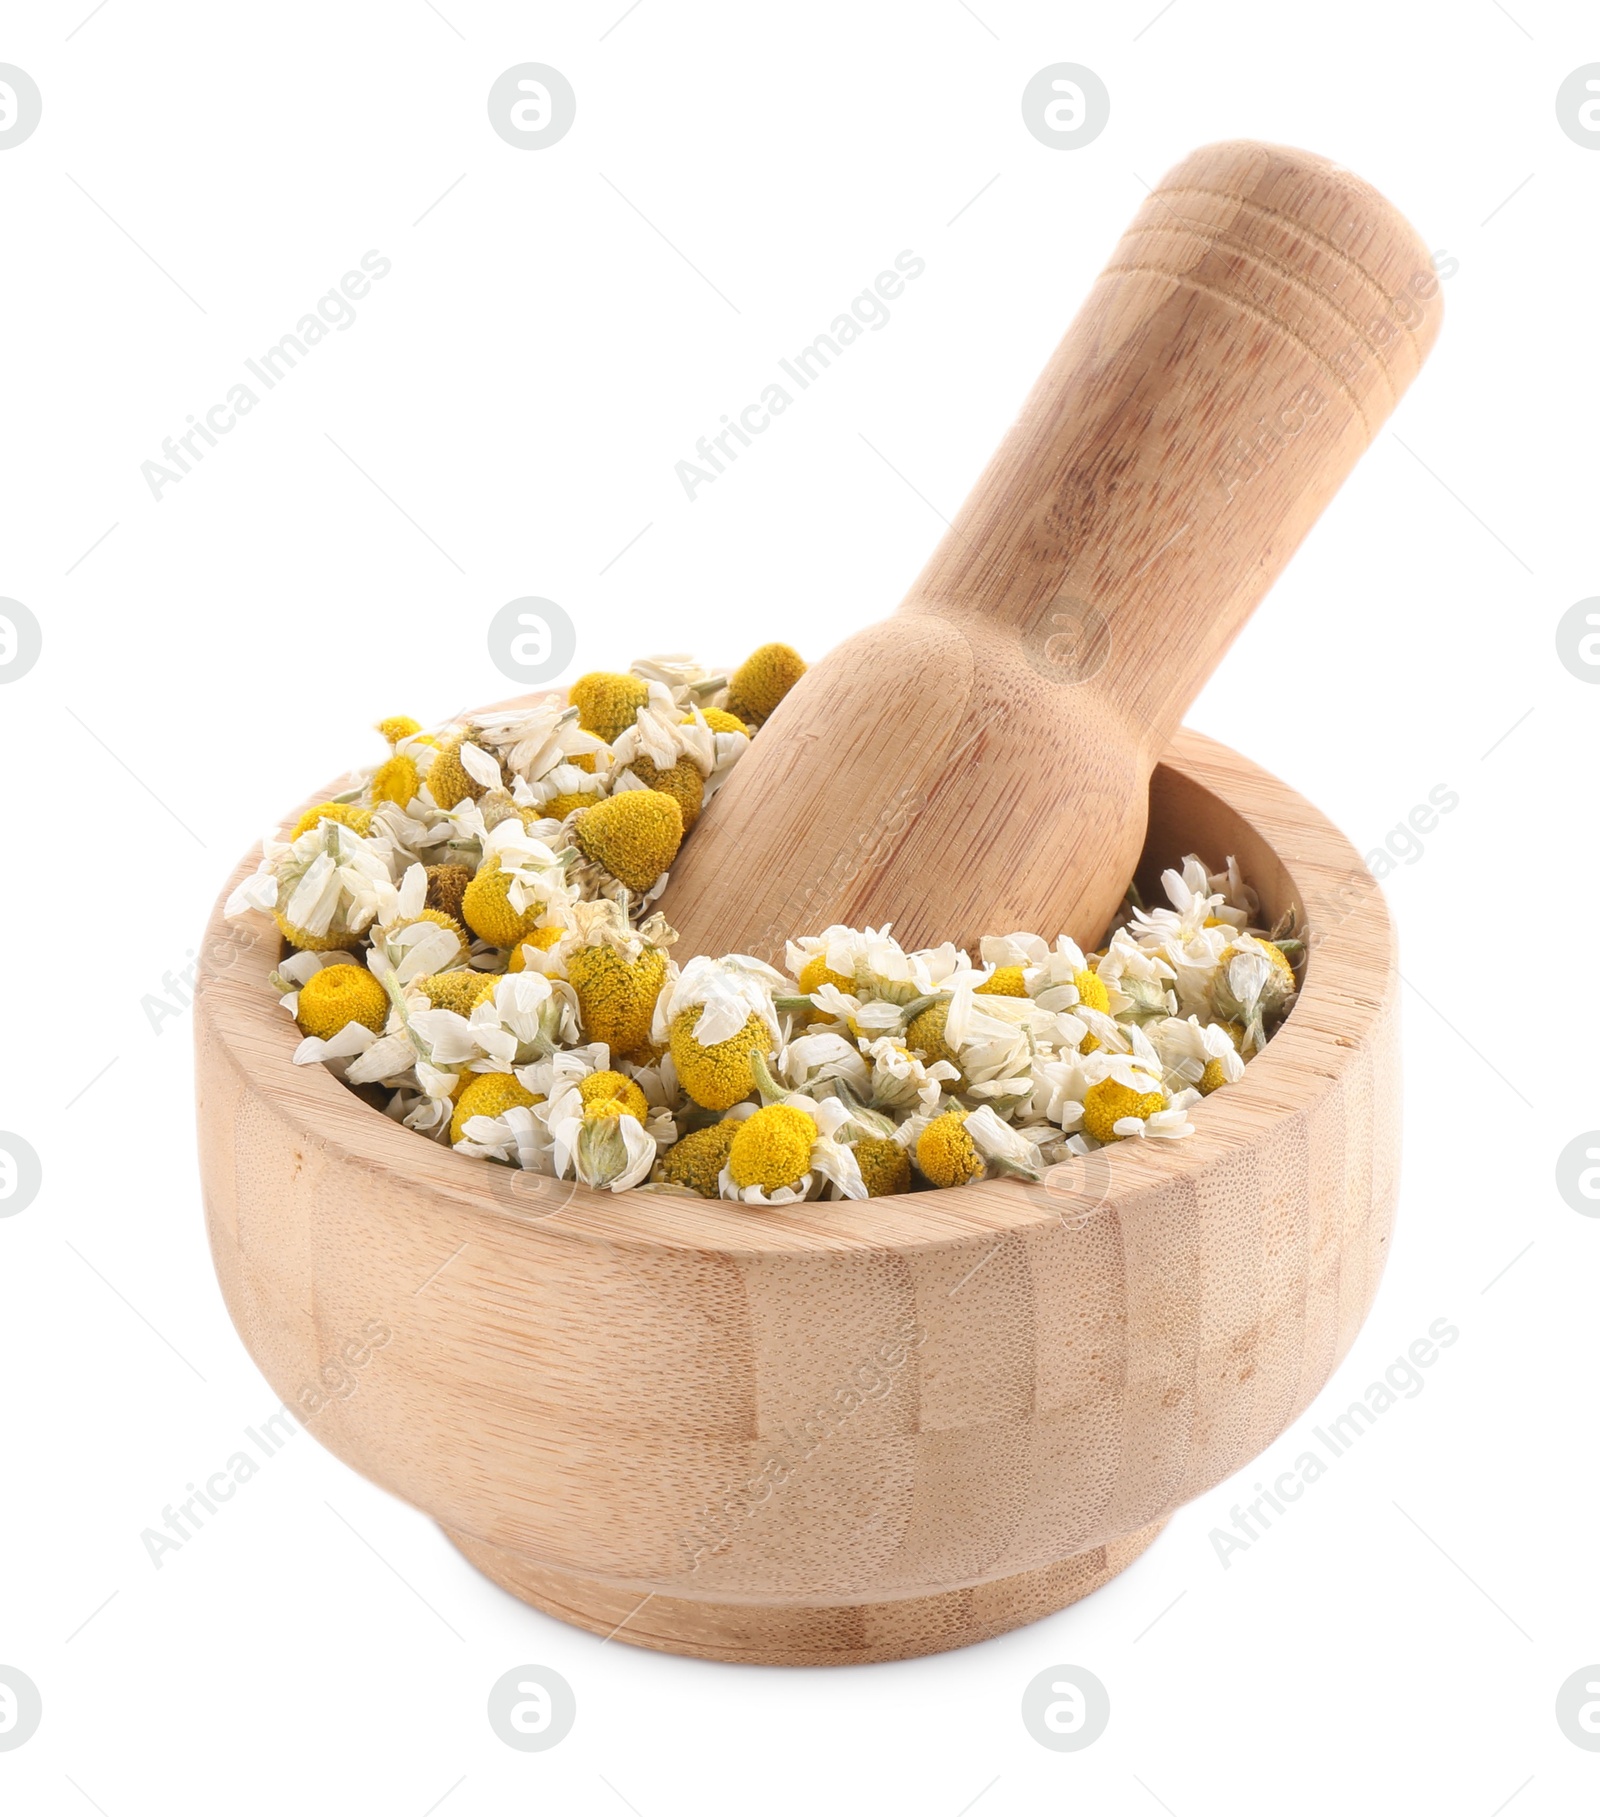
474,941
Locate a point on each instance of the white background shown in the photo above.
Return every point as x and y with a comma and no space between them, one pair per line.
556,332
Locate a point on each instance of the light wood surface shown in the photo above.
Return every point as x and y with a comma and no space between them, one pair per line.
979,760
835,1432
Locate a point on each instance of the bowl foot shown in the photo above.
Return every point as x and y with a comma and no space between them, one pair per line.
804,1634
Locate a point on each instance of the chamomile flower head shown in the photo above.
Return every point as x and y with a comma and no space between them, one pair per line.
532,741
322,886
1201,1056
696,1160
340,994
518,884
488,1095
946,1154
617,972
563,789
397,780
715,1017
884,1163
461,771
786,1152
762,680
607,703
447,884
682,780
397,727
632,836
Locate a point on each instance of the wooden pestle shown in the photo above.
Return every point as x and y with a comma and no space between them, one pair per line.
979,762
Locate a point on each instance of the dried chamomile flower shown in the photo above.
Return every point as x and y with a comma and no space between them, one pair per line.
488,1095
697,1159
357,819
1137,982
788,1151
902,1083
717,1014
1110,1107
447,884
564,789
631,837
1203,1057
340,994
617,972
541,940
946,1154
762,680
607,703
532,741
519,883
885,1166
528,1017
611,1151
322,886
463,769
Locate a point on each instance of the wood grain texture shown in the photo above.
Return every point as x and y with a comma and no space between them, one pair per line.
831,1432
1258,321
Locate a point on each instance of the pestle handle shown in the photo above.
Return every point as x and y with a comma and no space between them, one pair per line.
1256,324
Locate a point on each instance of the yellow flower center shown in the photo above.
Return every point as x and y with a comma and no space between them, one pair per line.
339,995
717,720
634,835
486,906
697,1159
1004,981
448,780
925,1036
885,1165
1211,1078
357,819
607,704
616,995
397,727
683,782
1092,993
487,1096
947,1154
772,1148
762,680
612,1088
717,1076
816,972
1108,1102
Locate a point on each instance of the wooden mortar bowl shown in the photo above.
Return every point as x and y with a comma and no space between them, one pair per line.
837,1432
